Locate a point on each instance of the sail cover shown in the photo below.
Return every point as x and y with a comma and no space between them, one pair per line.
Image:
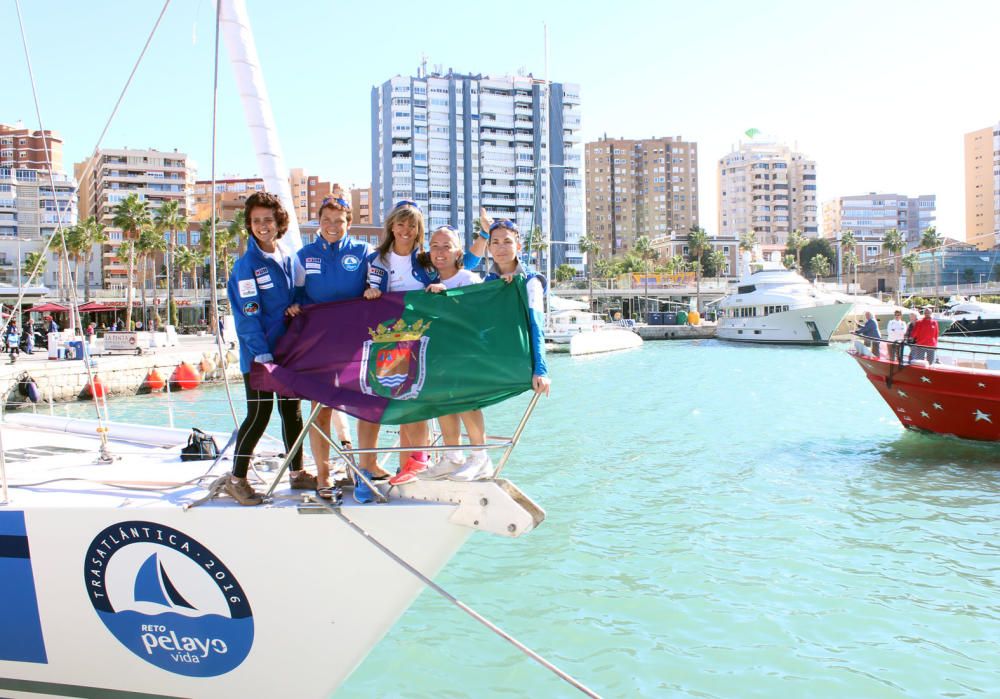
407,356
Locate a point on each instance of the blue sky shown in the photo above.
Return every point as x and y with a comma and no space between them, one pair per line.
879,93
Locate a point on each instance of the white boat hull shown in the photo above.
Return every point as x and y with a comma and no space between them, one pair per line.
107,589
599,341
801,326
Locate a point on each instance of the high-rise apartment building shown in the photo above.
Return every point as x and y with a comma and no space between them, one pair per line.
644,187
110,175
22,148
361,204
982,187
768,189
308,192
453,143
230,195
869,216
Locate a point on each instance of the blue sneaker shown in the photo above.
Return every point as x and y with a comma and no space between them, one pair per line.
362,493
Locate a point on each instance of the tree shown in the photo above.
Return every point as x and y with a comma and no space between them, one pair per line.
645,252
848,243
590,247
698,242
91,234
189,260
34,266
796,241
816,246
603,268
168,220
131,215
789,262
910,263
931,241
537,245
894,243
127,254
565,272
709,262
719,260
150,242
819,265
851,262
747,241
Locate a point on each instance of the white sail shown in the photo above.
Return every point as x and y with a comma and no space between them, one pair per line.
235,28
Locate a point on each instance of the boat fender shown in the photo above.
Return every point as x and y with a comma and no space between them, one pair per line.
96,388
186,376
27,387
155,380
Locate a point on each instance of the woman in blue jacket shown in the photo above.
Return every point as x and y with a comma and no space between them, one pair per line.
261,288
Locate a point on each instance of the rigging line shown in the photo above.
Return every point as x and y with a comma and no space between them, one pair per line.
86,171
215,292
461,605
60,233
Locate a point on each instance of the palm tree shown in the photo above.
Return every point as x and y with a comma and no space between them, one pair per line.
151,242
851,262
644,251
719,261
676,264
797,241
819,266
748,241
189,260
910,263
76,244
894,243
789,262
537,245
931,240
168,220
58,238
34,265
91,233
847,243
590,247
237,230
127,253
131,215
698,242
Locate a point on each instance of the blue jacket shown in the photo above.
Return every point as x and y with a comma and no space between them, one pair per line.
378,270
333,272
259,292
869,329
536,316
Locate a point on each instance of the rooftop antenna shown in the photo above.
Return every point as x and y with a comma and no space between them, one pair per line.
423,65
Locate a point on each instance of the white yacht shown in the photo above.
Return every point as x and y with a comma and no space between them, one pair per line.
777,305
971,317
571,328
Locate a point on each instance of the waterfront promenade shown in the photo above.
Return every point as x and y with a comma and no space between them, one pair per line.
121,373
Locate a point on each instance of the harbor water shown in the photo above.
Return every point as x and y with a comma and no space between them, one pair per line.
722,521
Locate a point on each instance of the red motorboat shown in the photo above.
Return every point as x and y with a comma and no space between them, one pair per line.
952,389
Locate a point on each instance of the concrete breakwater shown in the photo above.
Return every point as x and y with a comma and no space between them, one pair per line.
121,374
677,332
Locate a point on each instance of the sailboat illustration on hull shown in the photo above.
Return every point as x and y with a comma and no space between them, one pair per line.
152,584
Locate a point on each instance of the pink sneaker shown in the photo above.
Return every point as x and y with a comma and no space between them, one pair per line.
409,472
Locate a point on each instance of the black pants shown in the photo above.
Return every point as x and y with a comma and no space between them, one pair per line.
259,404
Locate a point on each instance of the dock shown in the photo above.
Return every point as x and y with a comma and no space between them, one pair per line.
702,331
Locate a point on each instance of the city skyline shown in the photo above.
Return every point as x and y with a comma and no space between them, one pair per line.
880,97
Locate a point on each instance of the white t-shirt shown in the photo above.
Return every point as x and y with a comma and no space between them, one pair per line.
895,330
401,273
463,277
279,255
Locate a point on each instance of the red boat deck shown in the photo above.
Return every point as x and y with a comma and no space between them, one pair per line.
960,397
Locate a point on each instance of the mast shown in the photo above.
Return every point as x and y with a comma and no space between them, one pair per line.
257,108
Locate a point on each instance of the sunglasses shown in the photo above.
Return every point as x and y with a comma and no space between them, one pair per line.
406,202
335,200
503,223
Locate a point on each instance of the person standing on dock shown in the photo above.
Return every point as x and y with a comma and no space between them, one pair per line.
260,290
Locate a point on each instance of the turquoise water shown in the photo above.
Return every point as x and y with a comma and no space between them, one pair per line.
722,521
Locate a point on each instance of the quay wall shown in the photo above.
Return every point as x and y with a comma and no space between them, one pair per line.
121,375
677,332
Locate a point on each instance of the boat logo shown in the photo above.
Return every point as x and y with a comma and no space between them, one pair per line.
393,362
350,262
168,599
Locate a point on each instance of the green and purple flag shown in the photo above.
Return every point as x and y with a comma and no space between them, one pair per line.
407,356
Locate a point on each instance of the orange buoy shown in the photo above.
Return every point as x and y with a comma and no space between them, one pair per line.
96,387
155,380
186,376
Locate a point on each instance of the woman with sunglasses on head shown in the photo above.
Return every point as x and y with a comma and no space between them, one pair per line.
261,288
332,268
505,246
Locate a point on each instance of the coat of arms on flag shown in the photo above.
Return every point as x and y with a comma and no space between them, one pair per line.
393,361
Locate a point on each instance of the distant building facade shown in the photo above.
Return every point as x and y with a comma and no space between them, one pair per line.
22,148
453,142
768,189
870,216
112,174
982,187
640,187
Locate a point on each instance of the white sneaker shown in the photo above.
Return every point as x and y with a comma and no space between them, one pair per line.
478,467
449,462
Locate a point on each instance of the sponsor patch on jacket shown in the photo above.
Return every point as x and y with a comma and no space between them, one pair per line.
251,308
313,260
260,271
247,288
350,262
263,279
267,286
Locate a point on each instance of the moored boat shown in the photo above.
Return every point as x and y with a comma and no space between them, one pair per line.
955,390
